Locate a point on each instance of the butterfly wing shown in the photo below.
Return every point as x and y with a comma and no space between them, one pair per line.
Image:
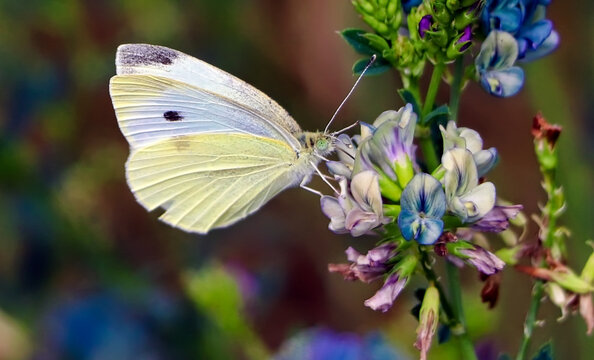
208,181
152,108
159,61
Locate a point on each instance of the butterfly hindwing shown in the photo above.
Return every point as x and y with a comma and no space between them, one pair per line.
210,180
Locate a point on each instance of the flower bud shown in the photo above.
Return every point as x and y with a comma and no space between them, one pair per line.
428,320
588,271
467,17
460,44
441,13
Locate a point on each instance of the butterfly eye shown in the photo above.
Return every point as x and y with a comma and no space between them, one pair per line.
322,144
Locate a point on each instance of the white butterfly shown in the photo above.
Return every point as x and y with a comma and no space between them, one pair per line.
205,146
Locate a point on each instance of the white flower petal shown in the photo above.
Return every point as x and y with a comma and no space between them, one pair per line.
479,201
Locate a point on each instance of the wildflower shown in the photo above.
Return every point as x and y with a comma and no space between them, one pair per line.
358,208
494,65
465,197
497,219
387,146
484,261
455,137
346,148
394,284
423,205
525,21
366,268
428,320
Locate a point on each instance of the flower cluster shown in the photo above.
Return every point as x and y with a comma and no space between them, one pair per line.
516,30
406,33
383,190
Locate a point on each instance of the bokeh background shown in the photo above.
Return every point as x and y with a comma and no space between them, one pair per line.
86,273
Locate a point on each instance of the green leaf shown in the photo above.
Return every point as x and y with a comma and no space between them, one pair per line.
376,42
436,114
504,357
409,98
354,38
545,352
379,66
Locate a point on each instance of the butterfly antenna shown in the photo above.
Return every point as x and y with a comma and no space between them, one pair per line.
371,61
346,128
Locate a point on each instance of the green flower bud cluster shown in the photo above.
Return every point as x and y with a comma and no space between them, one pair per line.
444,27
389,43
383,16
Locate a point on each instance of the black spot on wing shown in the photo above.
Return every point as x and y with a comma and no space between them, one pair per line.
142,54
172,115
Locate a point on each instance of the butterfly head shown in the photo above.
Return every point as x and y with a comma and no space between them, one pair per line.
317,142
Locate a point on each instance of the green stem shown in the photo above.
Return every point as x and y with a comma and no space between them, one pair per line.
456,88
411,84
430,274
537,293
455,293
433,87
428,149
466,347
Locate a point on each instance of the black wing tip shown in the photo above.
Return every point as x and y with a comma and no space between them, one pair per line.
145,55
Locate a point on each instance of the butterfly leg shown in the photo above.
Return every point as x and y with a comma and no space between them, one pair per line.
304,186
324,177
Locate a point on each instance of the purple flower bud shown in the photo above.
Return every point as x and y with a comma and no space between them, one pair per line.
366,268
465,38
425,25
497,219
483,260
384,297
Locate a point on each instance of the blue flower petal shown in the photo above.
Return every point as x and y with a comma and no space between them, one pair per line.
503,83
506,19
431,229
536,33
405,222
544,49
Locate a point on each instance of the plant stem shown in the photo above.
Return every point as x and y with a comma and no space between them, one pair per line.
411,83
433,87
466,347
456,88
455,293
428,149
430,274
537,293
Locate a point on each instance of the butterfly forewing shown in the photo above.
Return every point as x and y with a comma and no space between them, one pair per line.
144,59
152,108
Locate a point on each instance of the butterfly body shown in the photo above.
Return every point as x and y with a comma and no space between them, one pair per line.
205,146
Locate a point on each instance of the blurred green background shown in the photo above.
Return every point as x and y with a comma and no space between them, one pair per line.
86,273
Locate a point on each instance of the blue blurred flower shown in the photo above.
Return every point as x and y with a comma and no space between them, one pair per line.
407,5
525,20
423,204
325,344
494,65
